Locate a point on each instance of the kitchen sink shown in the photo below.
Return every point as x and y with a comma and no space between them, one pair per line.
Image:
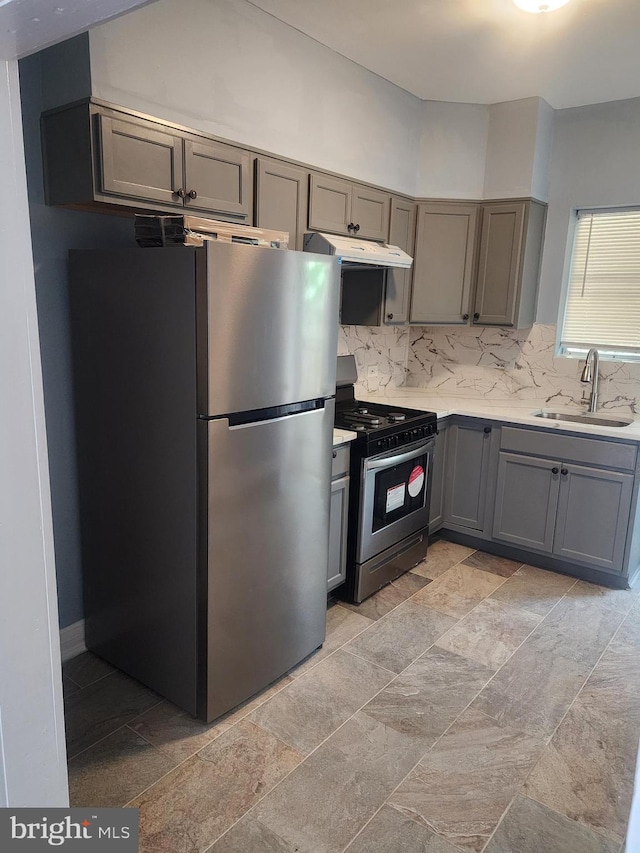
584,418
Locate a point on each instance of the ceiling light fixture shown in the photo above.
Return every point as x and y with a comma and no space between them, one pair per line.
539,5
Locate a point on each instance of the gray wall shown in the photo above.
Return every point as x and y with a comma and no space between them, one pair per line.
54,232
32,753
594,163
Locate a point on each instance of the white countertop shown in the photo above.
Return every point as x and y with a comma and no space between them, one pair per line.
343,436
518,411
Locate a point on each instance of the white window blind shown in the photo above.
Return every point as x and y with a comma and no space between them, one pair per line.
603,302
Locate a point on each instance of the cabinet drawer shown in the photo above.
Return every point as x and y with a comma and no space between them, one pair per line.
340,464
568,448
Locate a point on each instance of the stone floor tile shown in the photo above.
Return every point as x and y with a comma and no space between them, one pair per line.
313,706
576,628
190,808
463,785
621,600
533,589
379,603
529,827
427,697
492,563
342,625
458,590
180,735
490,634
102,707
389,831
250,836
442,555
68,686
115,770
410,583
401,636
587,771
86,668
325,802
532,691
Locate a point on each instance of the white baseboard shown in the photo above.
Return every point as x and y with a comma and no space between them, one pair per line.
72,640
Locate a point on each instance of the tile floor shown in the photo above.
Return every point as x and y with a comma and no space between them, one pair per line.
475,704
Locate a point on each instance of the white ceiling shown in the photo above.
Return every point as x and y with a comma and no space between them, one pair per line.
482,51
29,25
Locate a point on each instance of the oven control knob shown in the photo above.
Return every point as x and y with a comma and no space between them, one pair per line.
382,443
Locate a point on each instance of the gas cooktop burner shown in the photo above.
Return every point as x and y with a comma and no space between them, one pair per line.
396,416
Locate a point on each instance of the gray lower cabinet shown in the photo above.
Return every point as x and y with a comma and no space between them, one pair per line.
510,252
94,154
578,513
444,263
468,455
593,516
338,519
402,228
282,198
436,512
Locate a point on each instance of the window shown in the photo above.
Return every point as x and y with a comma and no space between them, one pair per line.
603,300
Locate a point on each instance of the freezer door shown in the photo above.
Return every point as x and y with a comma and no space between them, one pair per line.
267,551
267,327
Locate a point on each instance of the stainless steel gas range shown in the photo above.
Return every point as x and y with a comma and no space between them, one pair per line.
391,464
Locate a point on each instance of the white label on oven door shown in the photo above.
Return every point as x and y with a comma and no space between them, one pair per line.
395,497
416,481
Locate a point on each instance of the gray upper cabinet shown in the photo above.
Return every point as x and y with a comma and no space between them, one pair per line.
94,154
369,213
509,263
341,207
402,228
282,198
218,178
444,263
140,160
329,204
468,454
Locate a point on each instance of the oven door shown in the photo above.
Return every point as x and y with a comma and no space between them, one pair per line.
395,489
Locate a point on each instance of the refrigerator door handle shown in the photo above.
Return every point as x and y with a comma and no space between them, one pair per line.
268,420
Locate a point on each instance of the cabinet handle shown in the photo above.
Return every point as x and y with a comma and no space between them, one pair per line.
465,316
180,193
564,472
356,228
487,430
389,316
334,454
476,316
554,470
350,227
193,194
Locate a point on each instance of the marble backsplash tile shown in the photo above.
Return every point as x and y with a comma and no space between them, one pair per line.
502,364
383,348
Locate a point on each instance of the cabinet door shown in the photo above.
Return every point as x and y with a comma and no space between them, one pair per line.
338,517
329,204
501,245
282,197
220,177
593,516
468,463
443,266
140,161
436,511
526,501
402,227
369,213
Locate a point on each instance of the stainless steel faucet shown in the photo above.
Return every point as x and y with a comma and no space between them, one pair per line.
590,374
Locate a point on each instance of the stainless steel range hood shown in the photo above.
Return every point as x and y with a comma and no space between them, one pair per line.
355,253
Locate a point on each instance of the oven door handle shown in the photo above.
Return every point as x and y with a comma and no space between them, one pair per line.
388,461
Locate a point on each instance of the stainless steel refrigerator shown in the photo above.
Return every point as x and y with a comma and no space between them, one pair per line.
204,381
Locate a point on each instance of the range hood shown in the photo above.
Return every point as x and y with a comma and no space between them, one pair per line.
353,252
